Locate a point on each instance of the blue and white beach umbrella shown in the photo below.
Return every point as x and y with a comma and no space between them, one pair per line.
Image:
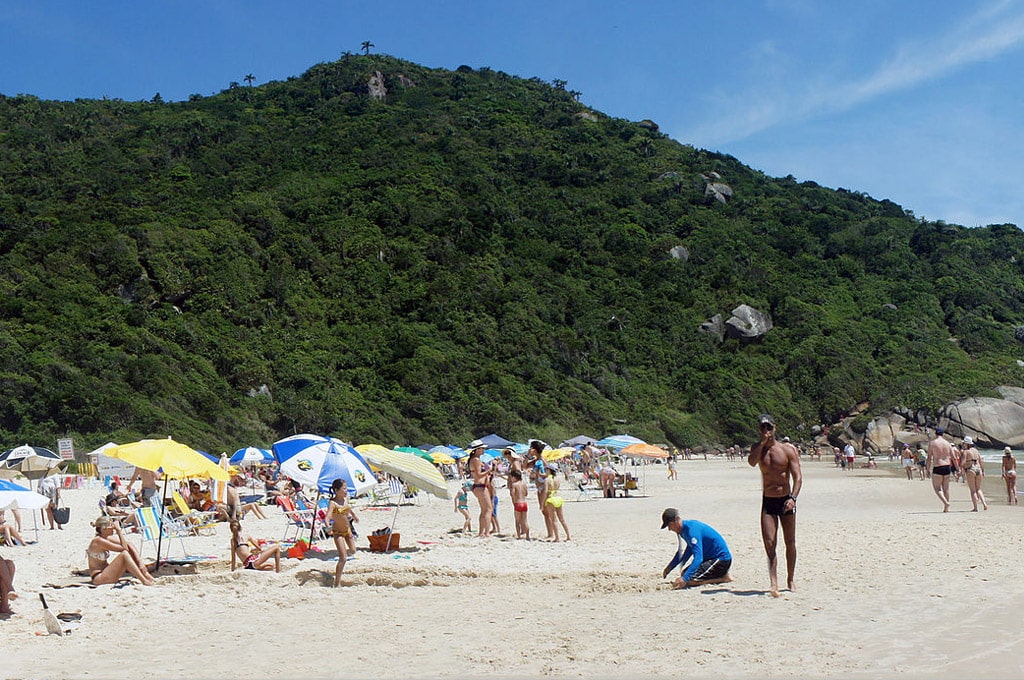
15,496
313,460
618,441
252,456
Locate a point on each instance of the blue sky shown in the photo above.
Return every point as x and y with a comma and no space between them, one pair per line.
918,101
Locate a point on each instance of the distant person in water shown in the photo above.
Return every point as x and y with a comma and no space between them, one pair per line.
781,481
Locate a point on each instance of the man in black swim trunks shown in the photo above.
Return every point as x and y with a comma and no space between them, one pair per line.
781,481
940,461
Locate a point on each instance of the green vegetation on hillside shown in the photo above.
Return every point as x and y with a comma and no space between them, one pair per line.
475,253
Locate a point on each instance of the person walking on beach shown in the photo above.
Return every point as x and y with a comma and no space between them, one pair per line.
781,481
553,507
850,454
974,471
480,488
711,557
340,515
907,461
940,461
1010,476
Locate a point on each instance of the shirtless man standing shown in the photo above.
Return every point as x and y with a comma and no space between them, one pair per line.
781,480
148,478
940,461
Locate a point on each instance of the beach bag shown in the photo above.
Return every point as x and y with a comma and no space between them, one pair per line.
61,515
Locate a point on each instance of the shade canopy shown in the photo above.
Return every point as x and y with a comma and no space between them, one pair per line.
173,459
411,469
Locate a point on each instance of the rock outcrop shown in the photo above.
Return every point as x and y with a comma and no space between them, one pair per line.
714,326
747,323
378,91
993,423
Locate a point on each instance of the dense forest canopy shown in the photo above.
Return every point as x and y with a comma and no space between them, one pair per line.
469,252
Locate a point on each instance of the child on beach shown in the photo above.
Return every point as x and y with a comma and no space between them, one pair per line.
338,513
517,490
462,505
553,506
250,553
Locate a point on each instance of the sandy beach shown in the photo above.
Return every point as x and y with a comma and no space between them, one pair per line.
887,585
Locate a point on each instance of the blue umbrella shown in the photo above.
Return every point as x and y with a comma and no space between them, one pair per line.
619,441
251,454
17,496
313,460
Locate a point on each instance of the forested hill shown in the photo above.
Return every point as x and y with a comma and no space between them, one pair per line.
464,253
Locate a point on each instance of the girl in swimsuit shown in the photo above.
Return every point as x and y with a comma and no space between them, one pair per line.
462,505
339,512
1010,476
553,506
250,553
110,540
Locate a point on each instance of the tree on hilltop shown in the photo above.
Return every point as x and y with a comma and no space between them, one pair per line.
366,46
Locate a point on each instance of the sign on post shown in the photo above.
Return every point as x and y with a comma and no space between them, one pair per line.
66,449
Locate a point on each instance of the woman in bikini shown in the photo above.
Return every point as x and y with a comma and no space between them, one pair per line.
481,487
110,557
338,513
974,471
250,553
9,532
1010,475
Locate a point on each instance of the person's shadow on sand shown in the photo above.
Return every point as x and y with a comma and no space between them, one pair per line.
731,591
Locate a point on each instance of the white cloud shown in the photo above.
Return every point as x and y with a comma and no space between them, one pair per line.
989,33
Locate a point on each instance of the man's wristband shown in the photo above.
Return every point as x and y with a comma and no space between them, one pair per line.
792,498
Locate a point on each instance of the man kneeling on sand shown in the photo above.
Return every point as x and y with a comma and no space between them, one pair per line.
711,556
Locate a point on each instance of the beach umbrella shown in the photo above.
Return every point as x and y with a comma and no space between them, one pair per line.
581,440
414,450
493,441
252,456
174,459
35,462
314,460
441,458
411,469
15,496
552,455
619,441
643,450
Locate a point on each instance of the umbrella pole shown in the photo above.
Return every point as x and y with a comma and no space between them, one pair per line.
391,531
316,508
160,536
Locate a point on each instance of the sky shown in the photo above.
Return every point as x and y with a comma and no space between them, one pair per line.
915,101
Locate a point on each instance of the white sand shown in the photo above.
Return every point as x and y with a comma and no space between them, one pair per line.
886,586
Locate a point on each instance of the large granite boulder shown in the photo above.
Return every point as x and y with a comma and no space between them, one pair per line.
715,326
1014,394
993,423
747,323
883,432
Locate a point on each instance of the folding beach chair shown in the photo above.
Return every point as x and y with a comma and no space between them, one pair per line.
150,525
380,494
296,521
583,493
201,523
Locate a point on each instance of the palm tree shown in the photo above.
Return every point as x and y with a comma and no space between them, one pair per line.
366,46
249,78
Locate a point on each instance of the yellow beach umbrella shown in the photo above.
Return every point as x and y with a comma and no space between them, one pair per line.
552,455
174,459
441,458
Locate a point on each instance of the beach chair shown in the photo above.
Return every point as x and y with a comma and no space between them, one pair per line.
318,514
202,523
583,493
150,526
296,521
380,494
